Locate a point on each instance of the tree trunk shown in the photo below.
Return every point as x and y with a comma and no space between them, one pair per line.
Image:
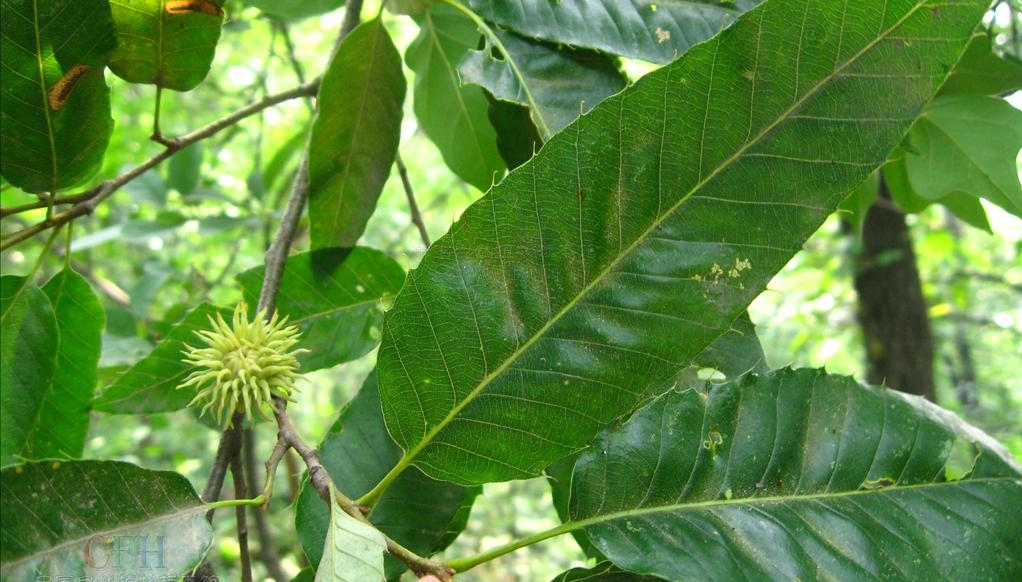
892,310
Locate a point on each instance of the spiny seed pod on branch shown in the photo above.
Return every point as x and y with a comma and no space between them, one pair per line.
244,365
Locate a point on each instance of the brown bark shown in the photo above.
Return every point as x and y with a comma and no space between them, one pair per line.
892,309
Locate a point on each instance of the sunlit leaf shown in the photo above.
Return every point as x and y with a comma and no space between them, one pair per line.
982,72
588,277
967,144
353,551
169,43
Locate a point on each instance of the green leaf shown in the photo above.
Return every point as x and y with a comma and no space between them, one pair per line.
336,297
965,206
603,572
63,419
296,9
557,83
967,144
353,551
401,513
653,31
55,120
28,357
980,71
166,43
846,482
453,116
185,169
355,135
969,209
98,520
151,384
636,237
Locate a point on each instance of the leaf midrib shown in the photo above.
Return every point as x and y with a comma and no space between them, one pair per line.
775,500
638,240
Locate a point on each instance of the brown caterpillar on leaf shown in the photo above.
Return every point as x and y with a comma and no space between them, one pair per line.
189,6
61,90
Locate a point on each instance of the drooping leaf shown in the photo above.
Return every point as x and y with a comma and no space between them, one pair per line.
355,135
151,384
965,206
168,43
98,520
63,420
55,120
844,482
415,511
967,144
639,234
296,9
452,115
353,551
336,297
556,83
653,31
982,72
28,357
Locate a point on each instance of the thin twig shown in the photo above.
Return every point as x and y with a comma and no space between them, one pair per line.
276,255
85,202
412,205
240,492
292,56
267,551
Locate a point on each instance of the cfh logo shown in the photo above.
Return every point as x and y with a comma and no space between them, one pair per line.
121,552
